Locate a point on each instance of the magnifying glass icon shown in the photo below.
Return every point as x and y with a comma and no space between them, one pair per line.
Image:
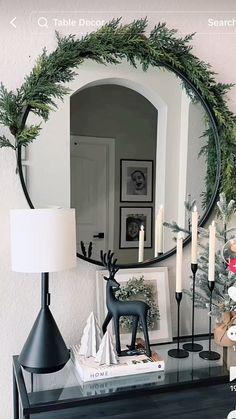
43,22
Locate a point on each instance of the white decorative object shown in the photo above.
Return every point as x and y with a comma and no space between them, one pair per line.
107,353
232,293
179,252
231,333
141,244
229,251
212,251
194,235
91,337
232,414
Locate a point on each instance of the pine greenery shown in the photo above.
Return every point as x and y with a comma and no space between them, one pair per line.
109,45
224,278
135,289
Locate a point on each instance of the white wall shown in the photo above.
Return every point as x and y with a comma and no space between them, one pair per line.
19,294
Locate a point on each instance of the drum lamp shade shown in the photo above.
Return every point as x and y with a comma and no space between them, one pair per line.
42,240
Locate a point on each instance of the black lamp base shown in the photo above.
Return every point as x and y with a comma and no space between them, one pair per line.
209,355
193,347
178,353
44,351
33,370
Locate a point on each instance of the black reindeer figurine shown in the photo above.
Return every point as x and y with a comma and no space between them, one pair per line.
117,308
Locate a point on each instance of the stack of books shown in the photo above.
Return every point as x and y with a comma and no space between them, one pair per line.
90,370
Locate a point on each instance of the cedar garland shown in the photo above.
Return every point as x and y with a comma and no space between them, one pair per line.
110,44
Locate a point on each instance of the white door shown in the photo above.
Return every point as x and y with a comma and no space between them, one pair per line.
92,171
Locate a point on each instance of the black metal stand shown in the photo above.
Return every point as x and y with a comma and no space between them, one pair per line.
15,398
44,350
210,355
178,353
193,347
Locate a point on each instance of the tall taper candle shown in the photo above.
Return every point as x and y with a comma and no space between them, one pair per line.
194,235
141,244
179,253
212,251
156,234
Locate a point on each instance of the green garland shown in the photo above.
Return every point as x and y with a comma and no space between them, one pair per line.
138,289
109,45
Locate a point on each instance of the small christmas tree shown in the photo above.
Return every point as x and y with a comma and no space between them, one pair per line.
91,337
224,278
107,353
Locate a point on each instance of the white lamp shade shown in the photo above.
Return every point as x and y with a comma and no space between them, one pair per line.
43,240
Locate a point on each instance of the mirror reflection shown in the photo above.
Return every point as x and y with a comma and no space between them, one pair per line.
132,163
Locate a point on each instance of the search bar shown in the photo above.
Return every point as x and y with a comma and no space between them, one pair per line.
43,21
80,22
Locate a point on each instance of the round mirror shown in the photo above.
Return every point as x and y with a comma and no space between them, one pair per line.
133,144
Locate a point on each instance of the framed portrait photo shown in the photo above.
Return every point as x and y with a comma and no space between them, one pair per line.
137,284
131,220
136,180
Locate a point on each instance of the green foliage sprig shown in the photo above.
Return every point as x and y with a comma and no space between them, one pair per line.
110,45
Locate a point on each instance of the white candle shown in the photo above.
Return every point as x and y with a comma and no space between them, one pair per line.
141,244
159,231
212,251
194,235
179,252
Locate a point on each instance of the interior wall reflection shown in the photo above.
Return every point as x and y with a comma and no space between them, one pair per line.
130,121
121,116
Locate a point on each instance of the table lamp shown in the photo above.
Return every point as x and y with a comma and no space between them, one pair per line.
43,241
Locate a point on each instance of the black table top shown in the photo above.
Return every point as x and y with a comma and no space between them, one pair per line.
64,388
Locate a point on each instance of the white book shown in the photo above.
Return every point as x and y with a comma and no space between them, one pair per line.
93,388
89,370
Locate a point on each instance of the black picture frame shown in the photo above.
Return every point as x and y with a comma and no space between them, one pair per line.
131,219
136,180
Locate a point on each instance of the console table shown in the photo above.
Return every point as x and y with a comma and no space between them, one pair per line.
34,394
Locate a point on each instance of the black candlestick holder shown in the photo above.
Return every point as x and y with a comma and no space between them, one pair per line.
178,353
193,347
210,355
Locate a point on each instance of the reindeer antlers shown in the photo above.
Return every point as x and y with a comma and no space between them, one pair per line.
83,249
109,263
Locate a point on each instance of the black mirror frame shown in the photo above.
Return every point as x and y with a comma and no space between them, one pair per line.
211,204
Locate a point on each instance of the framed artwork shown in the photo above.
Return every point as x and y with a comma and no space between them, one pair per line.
142,282
136,180
131,220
